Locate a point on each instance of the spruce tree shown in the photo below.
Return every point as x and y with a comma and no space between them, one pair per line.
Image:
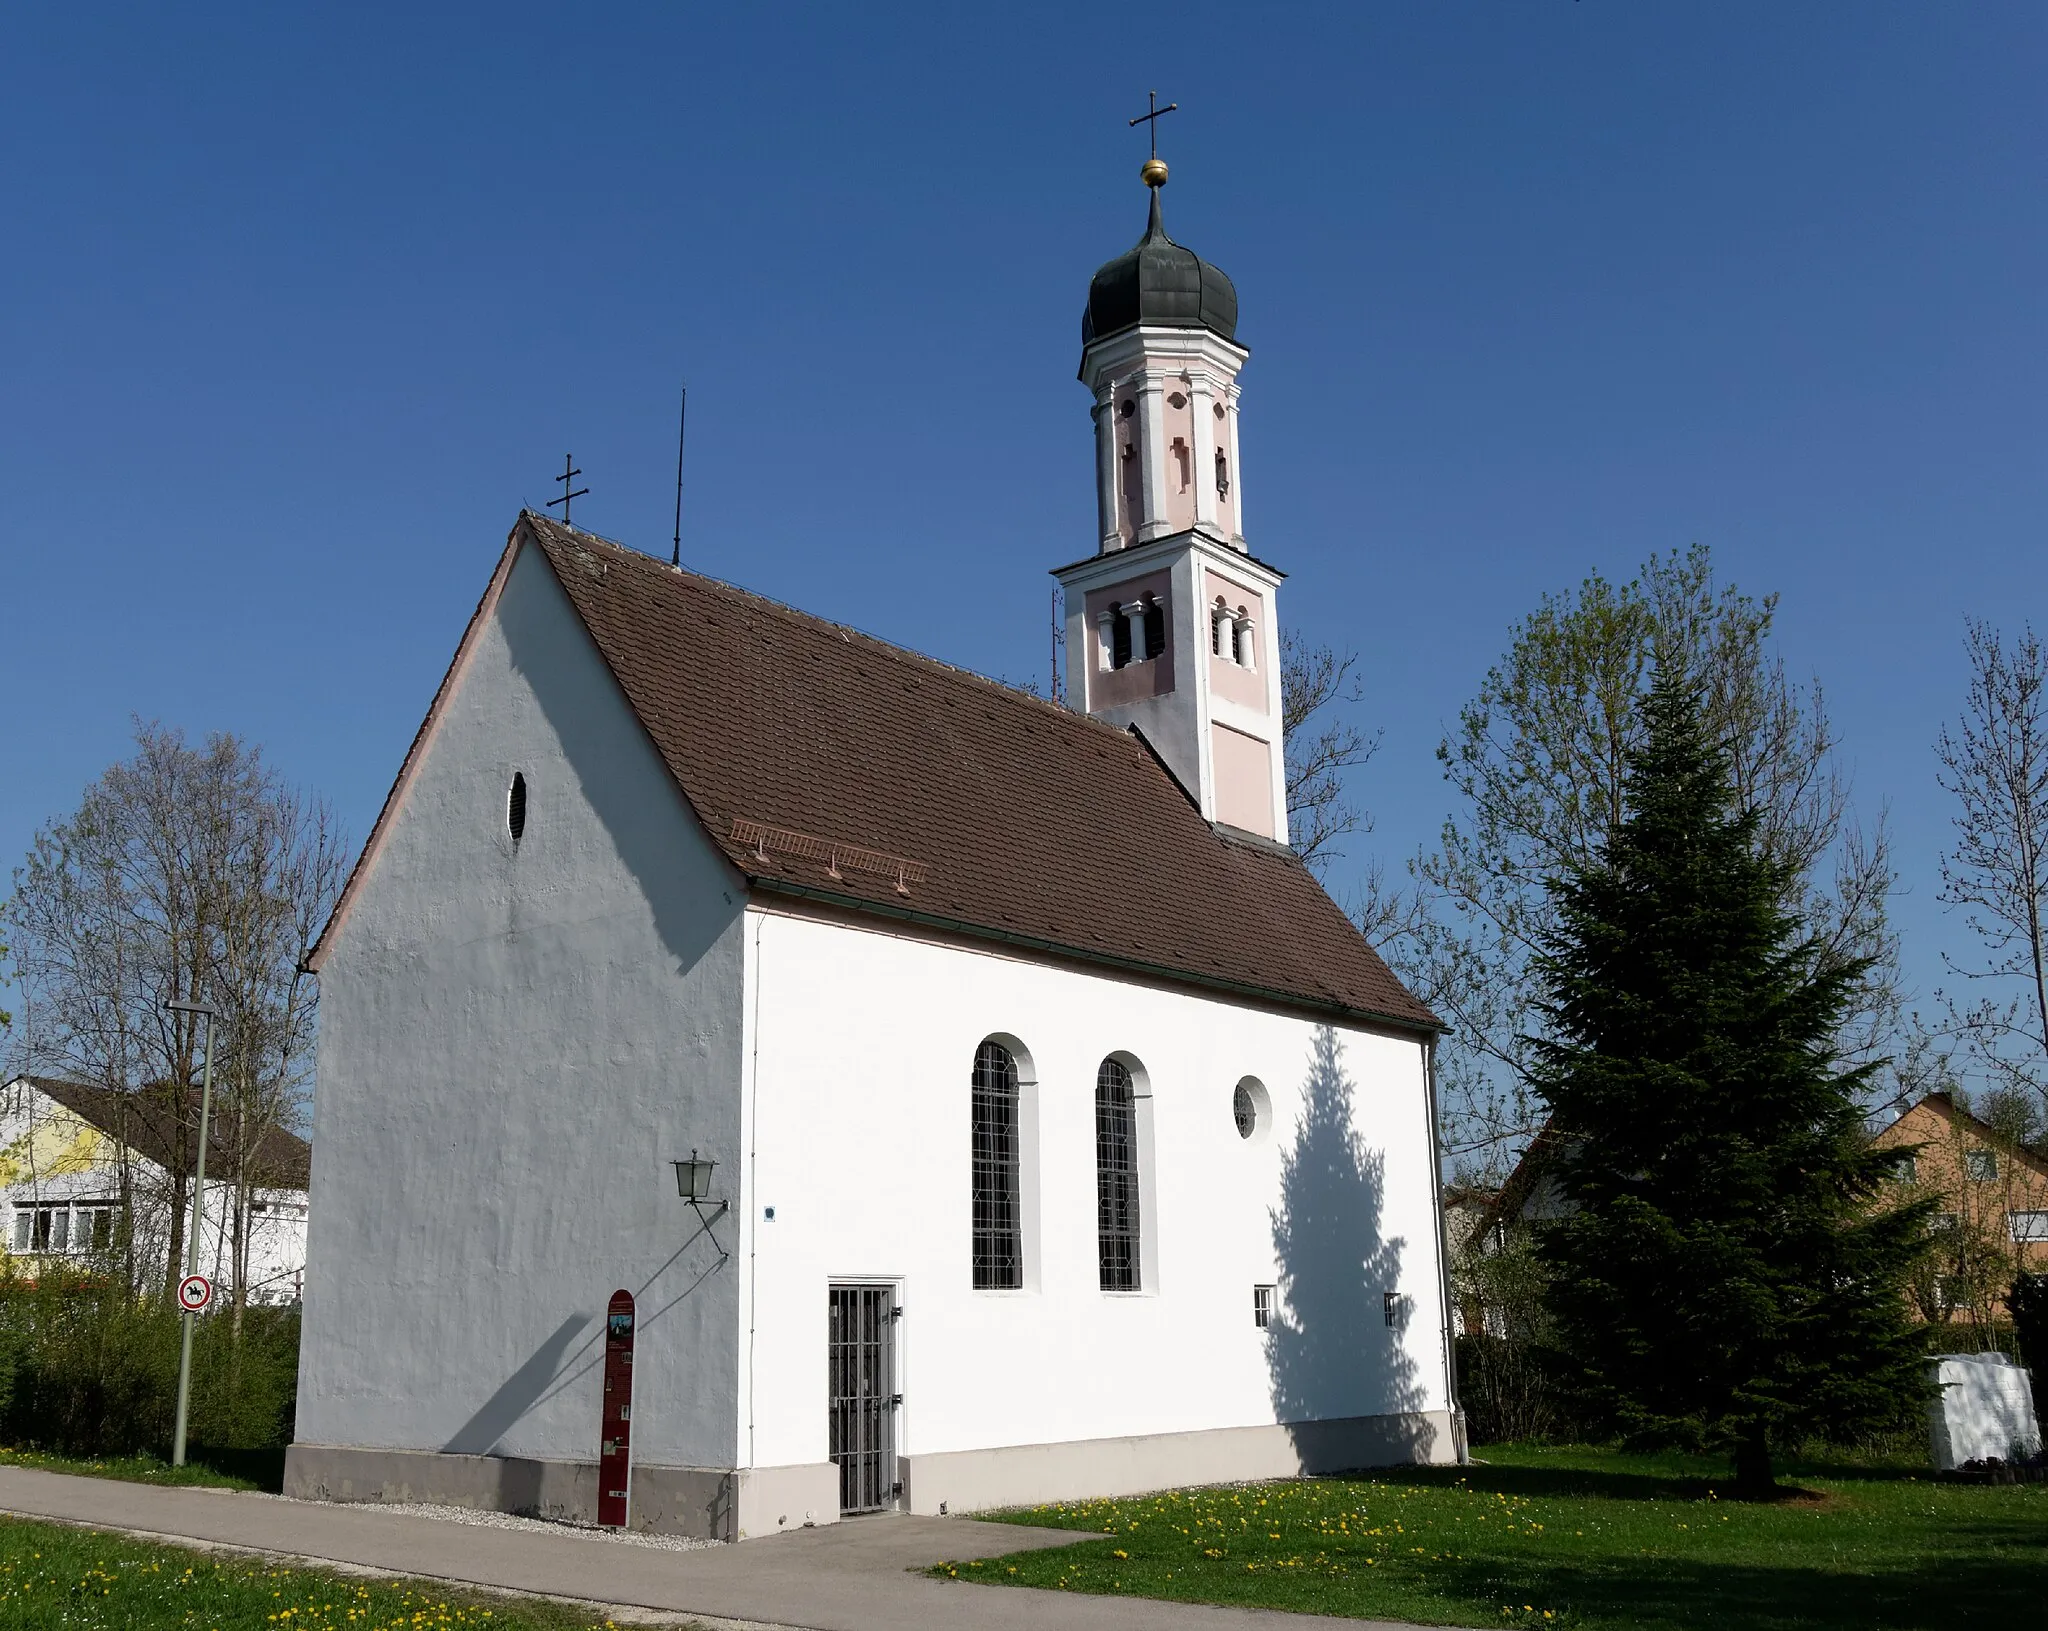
1726,1273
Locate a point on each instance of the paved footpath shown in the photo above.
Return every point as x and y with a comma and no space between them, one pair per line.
843,1577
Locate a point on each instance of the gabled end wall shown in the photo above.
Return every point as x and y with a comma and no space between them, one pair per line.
517,1038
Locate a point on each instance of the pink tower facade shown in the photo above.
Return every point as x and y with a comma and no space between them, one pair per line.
1171,625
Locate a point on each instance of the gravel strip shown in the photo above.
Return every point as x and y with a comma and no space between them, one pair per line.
544,1526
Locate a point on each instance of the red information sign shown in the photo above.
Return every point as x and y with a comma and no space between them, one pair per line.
615,1432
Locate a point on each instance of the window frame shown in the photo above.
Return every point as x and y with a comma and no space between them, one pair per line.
1251,1092
67,1228
1126,1252
996,1169
1119,1214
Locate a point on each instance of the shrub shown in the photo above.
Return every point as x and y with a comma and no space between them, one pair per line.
1515,1392
88,1369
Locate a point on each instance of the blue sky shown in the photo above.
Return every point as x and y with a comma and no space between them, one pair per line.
300,304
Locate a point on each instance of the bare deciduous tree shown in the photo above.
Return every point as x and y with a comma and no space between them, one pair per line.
1538,761
185,874
1315,681
1995,764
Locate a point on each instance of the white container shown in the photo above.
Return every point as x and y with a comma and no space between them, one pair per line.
1985,1409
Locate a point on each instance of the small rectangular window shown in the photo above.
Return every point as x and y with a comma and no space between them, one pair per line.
2027,1226
1909,1169
24,1220
60,1228
1982,1166
1262,1306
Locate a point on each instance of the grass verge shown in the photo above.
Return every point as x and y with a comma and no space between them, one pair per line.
54,1575
1580,1537
206,1469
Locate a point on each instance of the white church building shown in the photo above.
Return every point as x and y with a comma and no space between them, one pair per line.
1064,1138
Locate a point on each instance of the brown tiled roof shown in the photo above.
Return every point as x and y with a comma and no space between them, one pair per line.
1018,818
146,1123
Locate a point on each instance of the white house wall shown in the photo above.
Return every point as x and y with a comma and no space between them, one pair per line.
859,1121
515,1043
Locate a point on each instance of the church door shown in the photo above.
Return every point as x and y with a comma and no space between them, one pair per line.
864,1400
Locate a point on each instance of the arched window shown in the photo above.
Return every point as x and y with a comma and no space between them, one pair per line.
998,1222
1119,639
1116,1177
515,807
1155,630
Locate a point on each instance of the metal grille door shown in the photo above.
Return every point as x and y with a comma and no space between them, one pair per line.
862,1359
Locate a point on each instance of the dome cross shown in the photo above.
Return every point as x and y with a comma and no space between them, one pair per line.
1151,120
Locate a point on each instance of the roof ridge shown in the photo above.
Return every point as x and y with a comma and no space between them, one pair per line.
783,608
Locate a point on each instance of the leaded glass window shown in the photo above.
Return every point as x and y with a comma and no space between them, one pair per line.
998,1234
1116,1177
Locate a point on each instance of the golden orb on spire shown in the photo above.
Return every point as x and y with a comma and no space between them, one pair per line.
1154,172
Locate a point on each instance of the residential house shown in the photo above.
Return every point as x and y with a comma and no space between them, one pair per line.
80,1166
1994,1204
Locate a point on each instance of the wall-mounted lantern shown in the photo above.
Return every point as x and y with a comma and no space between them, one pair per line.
693,1182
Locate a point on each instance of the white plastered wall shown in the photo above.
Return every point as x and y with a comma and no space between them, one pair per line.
1179,721
858,1111
515,1042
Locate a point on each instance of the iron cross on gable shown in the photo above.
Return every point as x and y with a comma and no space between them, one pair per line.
1152,118
569,474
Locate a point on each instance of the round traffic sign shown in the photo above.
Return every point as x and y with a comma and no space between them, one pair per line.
195,1291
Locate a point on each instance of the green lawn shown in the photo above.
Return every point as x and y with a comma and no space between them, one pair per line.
52,1576
1578,1537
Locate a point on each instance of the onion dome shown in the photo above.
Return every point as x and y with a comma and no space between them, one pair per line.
1159,284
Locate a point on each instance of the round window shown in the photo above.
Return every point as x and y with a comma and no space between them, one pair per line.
1250,1108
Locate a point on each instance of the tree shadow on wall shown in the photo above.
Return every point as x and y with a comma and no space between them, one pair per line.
1334,1353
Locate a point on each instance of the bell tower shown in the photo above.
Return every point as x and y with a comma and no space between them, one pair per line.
1171,623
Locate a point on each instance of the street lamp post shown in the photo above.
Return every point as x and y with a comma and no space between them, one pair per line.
197,1225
